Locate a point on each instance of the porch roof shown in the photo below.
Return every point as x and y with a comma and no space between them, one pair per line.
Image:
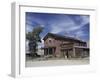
82,47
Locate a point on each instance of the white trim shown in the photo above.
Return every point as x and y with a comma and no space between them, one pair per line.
18,38
15,41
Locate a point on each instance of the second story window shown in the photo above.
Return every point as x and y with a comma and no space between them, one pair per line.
49,41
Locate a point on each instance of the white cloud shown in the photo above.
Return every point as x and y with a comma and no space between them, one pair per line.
85,19
79,33
28,28
61,24
68,25
35,20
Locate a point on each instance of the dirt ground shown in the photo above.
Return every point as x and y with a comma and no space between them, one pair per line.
58,62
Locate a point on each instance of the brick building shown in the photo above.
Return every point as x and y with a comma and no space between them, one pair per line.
63,46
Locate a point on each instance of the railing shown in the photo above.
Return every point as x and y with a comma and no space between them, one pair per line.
66,45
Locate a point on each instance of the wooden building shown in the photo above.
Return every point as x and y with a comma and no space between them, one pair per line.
63,46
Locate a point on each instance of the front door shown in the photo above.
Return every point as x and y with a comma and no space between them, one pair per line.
50,51
67,54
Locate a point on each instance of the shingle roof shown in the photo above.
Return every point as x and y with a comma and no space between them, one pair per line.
60,37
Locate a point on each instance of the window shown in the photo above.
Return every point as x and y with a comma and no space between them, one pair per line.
49,41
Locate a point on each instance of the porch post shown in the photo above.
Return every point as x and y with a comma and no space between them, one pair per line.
48,50
74,54
82,53
53,51
44,51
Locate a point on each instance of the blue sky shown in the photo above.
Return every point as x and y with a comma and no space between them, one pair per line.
63,24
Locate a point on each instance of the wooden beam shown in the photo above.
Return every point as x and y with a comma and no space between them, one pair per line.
74,54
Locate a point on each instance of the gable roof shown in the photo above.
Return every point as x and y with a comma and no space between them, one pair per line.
60,37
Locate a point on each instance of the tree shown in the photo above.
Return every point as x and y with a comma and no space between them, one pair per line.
34,38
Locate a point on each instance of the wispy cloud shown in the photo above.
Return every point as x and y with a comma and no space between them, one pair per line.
59,23
32,21
69,25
